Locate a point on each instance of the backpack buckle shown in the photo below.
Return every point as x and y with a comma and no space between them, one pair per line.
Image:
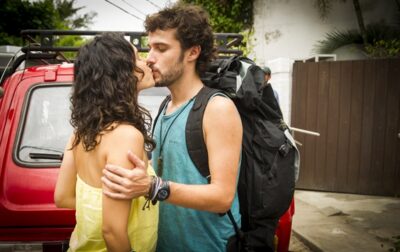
284,149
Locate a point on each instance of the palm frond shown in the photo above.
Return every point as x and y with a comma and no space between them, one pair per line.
337,39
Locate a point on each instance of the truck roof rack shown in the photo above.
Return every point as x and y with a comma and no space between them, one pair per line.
46,50
225,41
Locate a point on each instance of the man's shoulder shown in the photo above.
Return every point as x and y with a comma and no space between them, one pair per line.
221,108
220,101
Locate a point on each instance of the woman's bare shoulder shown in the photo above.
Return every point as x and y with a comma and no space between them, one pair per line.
122,132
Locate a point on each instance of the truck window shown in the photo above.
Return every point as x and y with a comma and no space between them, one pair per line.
46,127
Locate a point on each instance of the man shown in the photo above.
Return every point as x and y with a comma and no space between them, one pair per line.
267,77
181,44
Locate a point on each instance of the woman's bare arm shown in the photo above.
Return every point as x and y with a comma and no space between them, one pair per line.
223,137
116,211
64,194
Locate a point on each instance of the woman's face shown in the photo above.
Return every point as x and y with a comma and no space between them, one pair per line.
145,76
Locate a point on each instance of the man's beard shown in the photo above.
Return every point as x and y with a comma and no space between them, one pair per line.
174,73
171,76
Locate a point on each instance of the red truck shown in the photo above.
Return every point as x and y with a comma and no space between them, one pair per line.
34,128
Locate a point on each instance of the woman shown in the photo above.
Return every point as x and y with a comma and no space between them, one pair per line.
107,123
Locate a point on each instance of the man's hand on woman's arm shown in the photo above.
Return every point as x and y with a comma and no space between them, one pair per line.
223,137
127,184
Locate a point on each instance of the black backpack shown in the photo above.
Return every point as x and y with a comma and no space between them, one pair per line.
270,159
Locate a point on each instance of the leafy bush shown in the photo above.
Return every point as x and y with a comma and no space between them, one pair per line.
396,244
337,39
228,16
382,40
231,16
384,48
17,15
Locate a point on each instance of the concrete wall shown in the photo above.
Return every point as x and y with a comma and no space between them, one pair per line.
281,81
287,30
291,28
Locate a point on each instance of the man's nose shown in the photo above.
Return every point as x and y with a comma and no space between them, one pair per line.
150,58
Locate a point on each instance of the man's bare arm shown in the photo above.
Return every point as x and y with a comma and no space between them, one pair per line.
223,137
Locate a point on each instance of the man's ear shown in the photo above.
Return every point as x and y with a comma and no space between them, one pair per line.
193,53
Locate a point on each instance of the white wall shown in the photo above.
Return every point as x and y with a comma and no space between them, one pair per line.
281,79
291,28
287,30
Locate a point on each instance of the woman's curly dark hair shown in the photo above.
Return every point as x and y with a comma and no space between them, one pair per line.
105,91
192,28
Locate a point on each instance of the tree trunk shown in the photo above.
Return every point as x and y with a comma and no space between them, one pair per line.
360,20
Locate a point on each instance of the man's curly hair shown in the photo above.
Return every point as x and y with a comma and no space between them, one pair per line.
105,91
192,28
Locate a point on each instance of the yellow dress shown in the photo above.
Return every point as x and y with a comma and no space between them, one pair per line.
87,235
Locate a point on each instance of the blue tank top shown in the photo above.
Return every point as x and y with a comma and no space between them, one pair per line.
184,229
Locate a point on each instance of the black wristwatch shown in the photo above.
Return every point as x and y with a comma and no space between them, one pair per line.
163,192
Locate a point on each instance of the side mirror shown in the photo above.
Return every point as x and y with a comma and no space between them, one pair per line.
1,92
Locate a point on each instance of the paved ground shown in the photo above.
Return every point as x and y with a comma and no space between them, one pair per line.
346,222
342,222
297,245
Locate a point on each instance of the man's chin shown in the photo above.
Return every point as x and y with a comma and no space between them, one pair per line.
160,84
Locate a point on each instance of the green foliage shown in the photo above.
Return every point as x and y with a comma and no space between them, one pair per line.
377,40
384,48
396,244
18,15
337,39
68,16
382,40
247,46
228,15
69,40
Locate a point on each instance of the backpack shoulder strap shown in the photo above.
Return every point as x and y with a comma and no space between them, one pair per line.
194,131
160,109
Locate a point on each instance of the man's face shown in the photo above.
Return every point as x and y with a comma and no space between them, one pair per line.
165,57
267,77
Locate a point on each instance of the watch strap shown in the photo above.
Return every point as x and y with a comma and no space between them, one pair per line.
163,191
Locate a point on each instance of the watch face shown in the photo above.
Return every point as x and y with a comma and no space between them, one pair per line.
163,194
